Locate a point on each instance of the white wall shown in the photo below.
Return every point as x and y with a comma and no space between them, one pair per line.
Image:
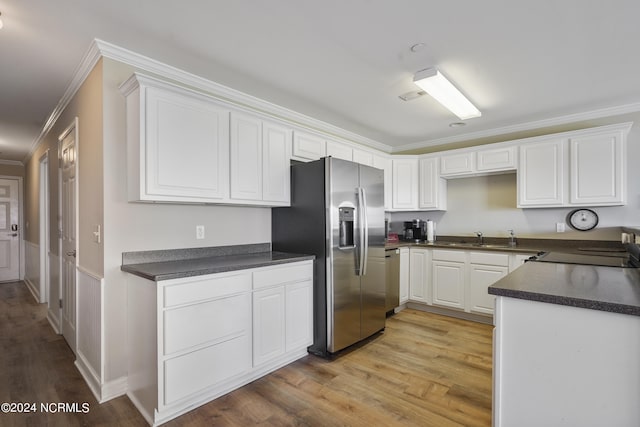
137,226
488,204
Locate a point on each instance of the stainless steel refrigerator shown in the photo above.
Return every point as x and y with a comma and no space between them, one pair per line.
337,214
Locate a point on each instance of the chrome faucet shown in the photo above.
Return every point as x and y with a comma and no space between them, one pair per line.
512,237
480,237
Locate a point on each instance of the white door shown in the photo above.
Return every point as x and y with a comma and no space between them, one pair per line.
9,236
68,163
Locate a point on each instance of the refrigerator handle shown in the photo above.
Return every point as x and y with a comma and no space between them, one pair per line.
364,230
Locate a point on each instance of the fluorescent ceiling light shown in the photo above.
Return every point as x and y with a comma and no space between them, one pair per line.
436,85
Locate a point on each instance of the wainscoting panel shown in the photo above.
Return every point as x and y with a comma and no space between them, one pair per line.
53,312
32,270
90,338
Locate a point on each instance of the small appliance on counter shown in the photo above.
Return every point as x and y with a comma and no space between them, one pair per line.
419,230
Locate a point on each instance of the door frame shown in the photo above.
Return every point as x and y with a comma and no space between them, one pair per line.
73,127
44,226
23,226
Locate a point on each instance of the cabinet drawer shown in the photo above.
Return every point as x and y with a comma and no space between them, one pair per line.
489,258
193,372
285,274
444,255
184,292
212,321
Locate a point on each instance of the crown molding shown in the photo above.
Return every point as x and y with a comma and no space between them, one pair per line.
11,162
228,94
88,62
555,121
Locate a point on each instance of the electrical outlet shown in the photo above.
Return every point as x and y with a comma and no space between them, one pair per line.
199,232
560,226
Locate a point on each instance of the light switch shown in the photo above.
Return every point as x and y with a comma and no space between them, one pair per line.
560,227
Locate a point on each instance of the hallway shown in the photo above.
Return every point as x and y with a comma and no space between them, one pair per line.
36,367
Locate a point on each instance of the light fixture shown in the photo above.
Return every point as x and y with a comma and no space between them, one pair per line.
436,85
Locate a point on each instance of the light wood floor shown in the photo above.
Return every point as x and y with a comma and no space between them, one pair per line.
424,370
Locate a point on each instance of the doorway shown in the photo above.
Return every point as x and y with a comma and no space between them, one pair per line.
9,229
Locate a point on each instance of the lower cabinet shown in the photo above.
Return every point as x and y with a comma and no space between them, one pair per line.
192,340
458,279
404,275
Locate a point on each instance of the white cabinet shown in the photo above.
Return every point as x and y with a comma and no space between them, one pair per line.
307,146
448,278
597,173
496,159
541,174
404,275
419,266
516,260
485,268
281,307
339,150
191,340
259,161
457,164
363,157
478,161
405,184
433,189
385,164
579,168
177,143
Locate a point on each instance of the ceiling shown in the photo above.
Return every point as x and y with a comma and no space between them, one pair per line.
342,62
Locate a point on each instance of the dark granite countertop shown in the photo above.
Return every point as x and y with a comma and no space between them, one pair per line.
612,289
180,263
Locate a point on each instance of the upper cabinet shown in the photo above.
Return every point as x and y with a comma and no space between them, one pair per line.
405,184
385,163
260,153
339,151
433,189
581,168
177,143
596,169
478,161
307,146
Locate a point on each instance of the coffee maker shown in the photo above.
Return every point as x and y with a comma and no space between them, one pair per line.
415,230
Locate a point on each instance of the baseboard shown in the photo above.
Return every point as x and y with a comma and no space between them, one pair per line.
33,289
54,322
451,313
102,392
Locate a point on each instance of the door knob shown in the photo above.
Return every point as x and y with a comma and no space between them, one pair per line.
14,234
72,253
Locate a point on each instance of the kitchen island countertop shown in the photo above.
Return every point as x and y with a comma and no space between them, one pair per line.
611,289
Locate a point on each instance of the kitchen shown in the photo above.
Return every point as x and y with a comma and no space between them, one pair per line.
491,200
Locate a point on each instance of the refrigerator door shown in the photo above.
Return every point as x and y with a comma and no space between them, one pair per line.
343,285
373,285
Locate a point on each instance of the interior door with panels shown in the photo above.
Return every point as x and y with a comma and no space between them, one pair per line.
9,230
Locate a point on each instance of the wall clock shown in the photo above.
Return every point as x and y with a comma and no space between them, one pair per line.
583,219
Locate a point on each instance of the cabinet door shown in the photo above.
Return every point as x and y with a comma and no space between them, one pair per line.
299,316
480,278
457,164
187,147
339,151
384,163
432,187
308,147
597,169
541,174
276,157
268,324
404,275
419,275
405,184
362,157
246,157
494,160
448,283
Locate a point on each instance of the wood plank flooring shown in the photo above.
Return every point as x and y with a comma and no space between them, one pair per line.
424,370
